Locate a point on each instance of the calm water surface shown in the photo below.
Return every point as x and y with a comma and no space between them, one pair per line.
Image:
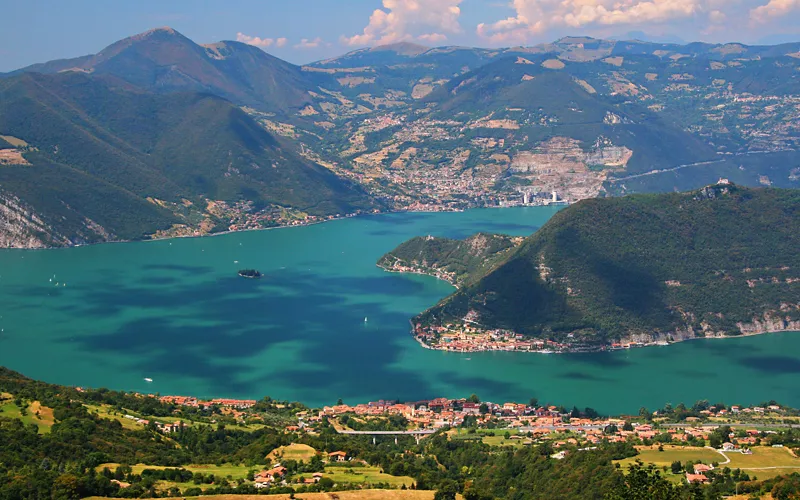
175,311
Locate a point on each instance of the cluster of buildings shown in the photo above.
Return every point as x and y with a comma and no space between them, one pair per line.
471,338
192,401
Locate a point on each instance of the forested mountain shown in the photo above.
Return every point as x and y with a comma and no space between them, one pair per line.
99,159
719,261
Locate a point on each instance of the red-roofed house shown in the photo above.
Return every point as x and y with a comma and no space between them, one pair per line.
696,478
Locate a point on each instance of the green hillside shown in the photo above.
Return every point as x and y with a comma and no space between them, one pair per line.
719,261
99,148
458,261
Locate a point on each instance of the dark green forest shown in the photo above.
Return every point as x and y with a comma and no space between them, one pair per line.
646,264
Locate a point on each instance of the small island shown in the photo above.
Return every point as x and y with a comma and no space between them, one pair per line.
249,273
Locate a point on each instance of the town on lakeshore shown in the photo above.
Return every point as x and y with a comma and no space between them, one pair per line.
468,336
711,437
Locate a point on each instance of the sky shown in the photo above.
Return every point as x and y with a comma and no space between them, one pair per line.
303,31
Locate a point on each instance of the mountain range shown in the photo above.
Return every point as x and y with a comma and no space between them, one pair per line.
157,135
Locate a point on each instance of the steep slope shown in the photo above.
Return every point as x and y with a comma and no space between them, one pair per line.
102,158
164,60
719,261
459,262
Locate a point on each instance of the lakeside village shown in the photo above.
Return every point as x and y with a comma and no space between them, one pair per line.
745,428
467,336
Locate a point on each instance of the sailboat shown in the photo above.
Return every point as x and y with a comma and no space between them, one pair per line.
365,319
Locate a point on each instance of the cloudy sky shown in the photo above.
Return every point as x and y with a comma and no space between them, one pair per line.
306,30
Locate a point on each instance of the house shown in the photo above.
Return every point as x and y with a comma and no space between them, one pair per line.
702,468
696,478
313,479
267,477
337,456
728,446
170,428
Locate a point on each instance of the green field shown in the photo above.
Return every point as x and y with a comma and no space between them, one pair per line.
485,435
672,453
234,471
363,475
105,411
765,462
44,421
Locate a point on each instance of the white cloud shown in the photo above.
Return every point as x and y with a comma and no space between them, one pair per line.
281,42
254,40
773,9
404,19
307,43
537,16
432,37
717,17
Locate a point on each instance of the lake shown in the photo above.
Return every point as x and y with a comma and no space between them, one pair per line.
325,323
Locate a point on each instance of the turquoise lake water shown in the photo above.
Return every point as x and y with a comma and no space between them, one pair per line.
176,312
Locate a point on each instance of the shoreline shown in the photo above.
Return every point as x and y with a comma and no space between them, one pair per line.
605,348
420,273
287,226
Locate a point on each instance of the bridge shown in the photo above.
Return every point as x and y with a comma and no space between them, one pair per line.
417,434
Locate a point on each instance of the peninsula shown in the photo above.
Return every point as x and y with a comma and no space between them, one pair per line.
616,273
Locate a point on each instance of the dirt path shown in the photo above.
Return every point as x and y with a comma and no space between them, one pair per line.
727,460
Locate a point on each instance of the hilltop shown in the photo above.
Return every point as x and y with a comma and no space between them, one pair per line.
163,60
719,261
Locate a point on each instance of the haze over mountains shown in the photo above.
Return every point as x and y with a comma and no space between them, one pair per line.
159,135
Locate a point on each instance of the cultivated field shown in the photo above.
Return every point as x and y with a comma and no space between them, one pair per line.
294,451
234,471
650,455
363,475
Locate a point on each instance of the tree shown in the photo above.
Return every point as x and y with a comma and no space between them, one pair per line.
339,402
628,426
474,399
590,413
447,490
575,413
484,409
534,402
643,483
676,467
